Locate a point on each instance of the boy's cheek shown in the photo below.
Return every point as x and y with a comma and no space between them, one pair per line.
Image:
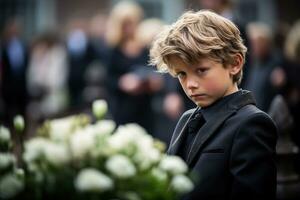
211,87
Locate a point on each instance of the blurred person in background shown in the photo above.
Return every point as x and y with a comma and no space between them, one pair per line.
262,62
129,95
95,76
158,84
80,55
14,59
47,77
286,78
1,99
97,31
145,33
222,7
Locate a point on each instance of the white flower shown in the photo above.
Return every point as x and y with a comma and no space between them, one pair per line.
181,184
4,134
34,149
159,174
132,139
104,127
173,164
57,154
6,160
130,195
101,132
20,173
147,157
19,123
129,134
10,186
120,166
82,143
92,180
38,148
99,108
60,129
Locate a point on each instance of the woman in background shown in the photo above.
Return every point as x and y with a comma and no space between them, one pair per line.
130,100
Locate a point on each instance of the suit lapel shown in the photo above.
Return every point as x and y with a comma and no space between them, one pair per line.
174,146
206,132
209,129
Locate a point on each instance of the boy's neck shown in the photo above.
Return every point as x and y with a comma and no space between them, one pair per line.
232,90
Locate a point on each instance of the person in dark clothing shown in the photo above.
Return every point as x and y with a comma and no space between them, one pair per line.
129,95
227,142
263,61
80,53
129,106
14,58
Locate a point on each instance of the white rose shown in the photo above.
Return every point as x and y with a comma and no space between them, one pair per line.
60,129
104,127
159,174
173,164
92,180
99,108
136,129
6,160
81,143
120,166
101,132
147,157
34,149
19,123
10,186
182,184
57,154
126,135
130,195
37,148
4,134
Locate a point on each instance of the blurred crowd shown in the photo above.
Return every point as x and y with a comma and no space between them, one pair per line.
60,73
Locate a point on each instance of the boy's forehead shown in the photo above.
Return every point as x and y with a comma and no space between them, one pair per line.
175,61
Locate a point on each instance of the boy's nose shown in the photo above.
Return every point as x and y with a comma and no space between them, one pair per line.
191,83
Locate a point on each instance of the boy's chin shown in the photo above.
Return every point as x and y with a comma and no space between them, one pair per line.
203,104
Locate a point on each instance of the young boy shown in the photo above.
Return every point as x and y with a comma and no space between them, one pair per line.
227,141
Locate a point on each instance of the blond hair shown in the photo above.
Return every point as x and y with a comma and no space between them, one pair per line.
197,35
122,12
148,29
292,43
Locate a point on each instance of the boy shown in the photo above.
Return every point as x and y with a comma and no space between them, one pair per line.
227,141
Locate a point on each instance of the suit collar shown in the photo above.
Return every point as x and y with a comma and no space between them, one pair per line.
231,102
215,116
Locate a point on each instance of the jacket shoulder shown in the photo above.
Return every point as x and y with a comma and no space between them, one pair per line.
252,117
251,111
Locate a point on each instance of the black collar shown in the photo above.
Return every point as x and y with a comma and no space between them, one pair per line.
230,102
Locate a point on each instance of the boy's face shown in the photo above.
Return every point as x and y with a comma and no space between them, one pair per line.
204,82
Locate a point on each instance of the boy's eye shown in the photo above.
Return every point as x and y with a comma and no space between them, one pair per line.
180,75
201,70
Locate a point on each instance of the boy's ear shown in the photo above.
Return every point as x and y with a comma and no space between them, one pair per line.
237,64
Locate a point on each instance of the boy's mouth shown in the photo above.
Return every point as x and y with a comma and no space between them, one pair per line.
197,96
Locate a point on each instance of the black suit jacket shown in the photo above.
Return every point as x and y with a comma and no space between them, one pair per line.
233,154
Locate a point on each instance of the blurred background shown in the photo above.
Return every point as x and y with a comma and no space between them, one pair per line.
57,56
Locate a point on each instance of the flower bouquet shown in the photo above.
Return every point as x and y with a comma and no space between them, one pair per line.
73,158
